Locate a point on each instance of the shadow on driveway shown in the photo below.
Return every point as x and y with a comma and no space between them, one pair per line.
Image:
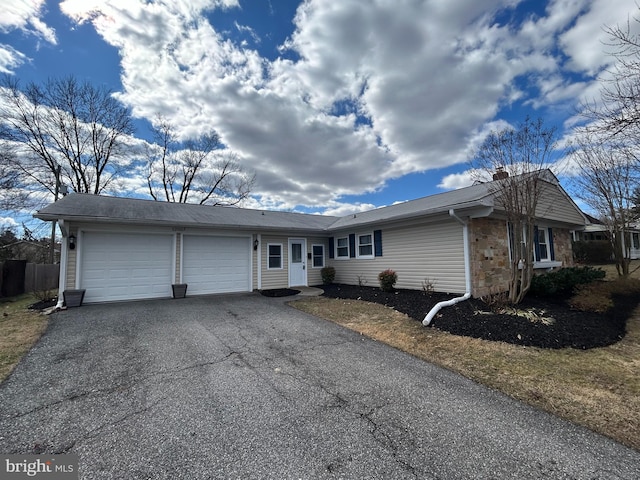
246,387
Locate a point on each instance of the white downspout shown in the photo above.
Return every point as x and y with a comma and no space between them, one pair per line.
467,273
62,280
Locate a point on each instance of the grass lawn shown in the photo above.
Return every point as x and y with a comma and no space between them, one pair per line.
597,388
20,329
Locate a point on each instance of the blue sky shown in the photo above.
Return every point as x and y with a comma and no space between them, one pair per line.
337,106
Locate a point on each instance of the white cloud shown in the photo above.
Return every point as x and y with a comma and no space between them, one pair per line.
7,222
22,15
25,15
430,77
10,58
344,209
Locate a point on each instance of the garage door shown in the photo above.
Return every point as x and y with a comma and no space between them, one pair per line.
122,266
216,264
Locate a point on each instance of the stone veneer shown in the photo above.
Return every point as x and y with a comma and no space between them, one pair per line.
489,251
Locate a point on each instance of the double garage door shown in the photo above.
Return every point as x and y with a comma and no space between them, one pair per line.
129,266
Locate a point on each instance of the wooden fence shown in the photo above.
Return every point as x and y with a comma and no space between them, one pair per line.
20,277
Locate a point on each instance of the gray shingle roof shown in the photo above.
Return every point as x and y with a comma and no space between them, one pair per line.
473,196
92,208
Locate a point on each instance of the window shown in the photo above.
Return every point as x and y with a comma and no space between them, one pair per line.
365,245
543,243
636,241
318,256
275,256
342,247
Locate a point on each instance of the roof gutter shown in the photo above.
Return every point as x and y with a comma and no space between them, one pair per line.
467,273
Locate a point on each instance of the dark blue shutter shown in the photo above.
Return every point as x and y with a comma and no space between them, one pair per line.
552,254
512,245
536,244
377,242
352,245
331,247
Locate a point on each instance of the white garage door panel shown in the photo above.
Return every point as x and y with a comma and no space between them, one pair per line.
216,264
121,266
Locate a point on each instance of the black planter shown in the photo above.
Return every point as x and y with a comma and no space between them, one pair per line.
73,298
179,290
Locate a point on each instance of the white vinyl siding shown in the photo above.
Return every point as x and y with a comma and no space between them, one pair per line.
430,251
273,278
554,205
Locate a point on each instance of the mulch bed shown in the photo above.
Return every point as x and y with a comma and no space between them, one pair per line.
42,304
472,318
279,292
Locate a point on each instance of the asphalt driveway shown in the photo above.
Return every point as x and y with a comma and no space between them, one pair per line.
247,387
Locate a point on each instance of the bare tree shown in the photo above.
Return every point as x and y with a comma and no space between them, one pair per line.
606,183
12,195
617,113
194,171
520,156
66,124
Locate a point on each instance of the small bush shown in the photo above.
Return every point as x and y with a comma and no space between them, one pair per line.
565,280
328,274
428,286
388,279
496,300
592,252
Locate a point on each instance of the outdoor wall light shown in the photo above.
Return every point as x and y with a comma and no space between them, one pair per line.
255,244
72,242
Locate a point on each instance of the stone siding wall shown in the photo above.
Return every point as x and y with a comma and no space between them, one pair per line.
489,250
562,246
490,267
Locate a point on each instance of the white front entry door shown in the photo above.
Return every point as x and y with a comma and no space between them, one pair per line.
297,262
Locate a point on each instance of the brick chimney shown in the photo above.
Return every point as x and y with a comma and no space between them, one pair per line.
500,174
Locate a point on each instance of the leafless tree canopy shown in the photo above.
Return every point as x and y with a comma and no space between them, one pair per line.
63,122
524,153
12,195
606,183
617,113
194,171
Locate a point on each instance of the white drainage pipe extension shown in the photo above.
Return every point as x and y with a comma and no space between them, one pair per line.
467,273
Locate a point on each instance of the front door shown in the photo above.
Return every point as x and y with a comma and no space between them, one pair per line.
297,262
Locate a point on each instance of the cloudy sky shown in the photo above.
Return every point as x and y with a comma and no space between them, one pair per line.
336,105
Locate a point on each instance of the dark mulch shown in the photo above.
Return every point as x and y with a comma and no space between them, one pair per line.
42,304
571,328
279,292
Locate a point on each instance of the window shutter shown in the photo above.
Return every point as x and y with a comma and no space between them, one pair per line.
552,254
512,246
352,245
377,243
536,244
331,247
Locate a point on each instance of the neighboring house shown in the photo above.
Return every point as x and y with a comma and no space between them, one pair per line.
123,248
596,232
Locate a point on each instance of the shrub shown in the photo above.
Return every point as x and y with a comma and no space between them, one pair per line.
565,280
388,279
592,252
328,275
